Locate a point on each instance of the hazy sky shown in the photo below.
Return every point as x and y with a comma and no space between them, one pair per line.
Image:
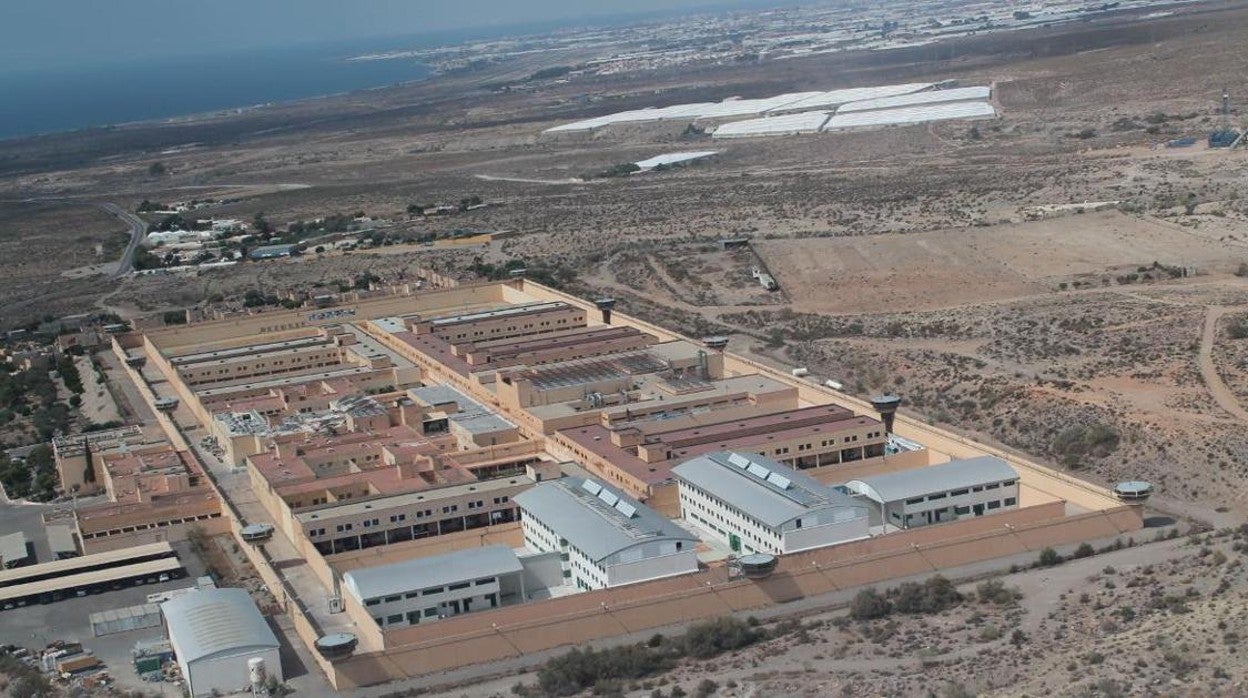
36,33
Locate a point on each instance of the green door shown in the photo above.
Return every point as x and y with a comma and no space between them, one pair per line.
734,542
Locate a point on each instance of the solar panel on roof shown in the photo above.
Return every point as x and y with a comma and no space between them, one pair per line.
739,460
591,487
779,480
608,497
758,471
626,509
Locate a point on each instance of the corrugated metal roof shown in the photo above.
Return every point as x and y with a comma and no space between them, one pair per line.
61,539
216,622
958,474
597,524
13,547
769,491
434,571
472,416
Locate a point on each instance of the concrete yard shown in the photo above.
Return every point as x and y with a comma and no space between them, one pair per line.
35,626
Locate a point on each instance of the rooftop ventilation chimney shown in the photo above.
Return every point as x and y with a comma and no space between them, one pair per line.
886,405
716,343
605,305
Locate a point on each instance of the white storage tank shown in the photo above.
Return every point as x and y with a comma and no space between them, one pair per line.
255,674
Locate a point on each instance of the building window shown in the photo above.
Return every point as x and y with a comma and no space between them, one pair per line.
457,587
432,591
372,602
396,618
995,504
431,612
958,493
1010,501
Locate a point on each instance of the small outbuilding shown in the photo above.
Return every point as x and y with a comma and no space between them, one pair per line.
215,633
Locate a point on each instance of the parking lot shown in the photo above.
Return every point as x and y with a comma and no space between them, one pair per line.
35,626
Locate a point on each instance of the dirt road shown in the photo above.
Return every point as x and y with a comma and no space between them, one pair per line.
1209,372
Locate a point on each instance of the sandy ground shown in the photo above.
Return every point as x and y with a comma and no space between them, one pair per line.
945,268
98,405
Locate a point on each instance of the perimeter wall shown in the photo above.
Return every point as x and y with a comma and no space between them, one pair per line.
568,621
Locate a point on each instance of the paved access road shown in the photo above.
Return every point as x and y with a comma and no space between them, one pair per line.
138,229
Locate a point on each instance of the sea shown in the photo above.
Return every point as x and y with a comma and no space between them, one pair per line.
55,99
65,99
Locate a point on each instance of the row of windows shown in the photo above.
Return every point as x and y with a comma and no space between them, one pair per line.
511,329
965,510
279,328
713,505
961,492
147,526
395,519
760,535
432,591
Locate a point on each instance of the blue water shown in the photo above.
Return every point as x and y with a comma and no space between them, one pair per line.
66,99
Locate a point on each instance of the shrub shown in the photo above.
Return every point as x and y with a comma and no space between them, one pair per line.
869,604
705,688
579,670
1084,550
709,638
1095,440
932,596
995,591
1048,558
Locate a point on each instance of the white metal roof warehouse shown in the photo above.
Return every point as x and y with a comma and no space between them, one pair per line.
425,572
599,519
789,124
917,482
957,94
214,632
609,538
945,492
756,504
910,115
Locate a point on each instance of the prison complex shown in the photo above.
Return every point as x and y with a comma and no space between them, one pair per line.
463,474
